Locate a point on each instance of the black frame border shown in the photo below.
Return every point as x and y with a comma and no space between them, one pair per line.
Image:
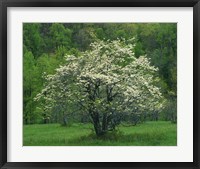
4,4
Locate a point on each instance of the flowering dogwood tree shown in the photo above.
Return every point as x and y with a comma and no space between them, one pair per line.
102,82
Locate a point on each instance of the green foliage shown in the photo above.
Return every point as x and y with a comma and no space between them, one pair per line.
83,38
28,88
32,38
60,36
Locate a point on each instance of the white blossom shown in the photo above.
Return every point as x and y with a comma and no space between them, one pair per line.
108,77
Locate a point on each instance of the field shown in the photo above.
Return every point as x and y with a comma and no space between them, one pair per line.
160,133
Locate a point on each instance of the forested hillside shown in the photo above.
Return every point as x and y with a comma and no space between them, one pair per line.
45,46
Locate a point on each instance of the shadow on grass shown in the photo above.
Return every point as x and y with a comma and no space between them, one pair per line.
118,138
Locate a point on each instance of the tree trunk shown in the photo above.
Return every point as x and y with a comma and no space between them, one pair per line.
98,130
104,123
97,125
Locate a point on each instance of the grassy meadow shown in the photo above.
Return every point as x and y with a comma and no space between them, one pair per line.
155,133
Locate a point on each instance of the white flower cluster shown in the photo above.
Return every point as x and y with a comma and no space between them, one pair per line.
107,78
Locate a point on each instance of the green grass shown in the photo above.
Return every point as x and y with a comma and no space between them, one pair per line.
159,133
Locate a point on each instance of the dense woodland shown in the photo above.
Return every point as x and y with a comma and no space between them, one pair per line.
46,45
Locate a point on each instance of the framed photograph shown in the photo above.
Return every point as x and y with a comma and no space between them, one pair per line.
100,84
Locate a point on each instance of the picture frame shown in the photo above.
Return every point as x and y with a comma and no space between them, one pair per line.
100,3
